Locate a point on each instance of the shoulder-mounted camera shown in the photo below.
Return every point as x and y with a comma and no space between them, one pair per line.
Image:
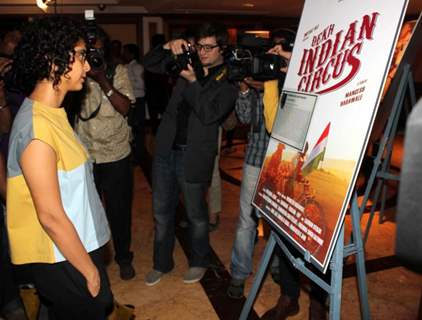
249,58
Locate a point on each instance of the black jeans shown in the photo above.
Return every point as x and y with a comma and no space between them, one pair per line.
114,181
65,293
168,179
138,129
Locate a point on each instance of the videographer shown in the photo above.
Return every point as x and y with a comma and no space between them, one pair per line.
289,277
186,144
250,110
104,130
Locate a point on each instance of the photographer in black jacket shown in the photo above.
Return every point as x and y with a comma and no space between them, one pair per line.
186,146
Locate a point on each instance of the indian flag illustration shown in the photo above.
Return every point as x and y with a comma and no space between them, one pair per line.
317,153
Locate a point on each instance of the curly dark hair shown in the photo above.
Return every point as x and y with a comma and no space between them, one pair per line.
46,42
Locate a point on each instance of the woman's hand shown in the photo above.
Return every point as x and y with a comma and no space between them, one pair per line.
93,282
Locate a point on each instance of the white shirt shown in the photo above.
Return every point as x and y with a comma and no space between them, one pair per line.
136,77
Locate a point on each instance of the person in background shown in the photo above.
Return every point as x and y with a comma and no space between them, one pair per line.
249,110
55,220
103,128
288,276
186,146
116,52
158,88
136,76
10,303
215,191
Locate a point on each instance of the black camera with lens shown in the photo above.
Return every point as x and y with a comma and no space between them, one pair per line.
180,62
249,59
94,56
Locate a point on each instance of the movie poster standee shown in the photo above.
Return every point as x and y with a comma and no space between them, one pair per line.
381,169
341,251
325,117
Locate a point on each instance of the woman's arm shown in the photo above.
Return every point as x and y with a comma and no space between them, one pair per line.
39,167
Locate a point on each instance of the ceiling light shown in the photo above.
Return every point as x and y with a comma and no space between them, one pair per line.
259,33
248,5
43,4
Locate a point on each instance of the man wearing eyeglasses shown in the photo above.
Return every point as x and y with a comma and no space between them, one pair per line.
186,145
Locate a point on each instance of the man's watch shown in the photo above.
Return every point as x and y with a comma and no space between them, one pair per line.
109,93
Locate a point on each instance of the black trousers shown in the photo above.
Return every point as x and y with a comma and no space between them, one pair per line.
138,129
64,291
114,181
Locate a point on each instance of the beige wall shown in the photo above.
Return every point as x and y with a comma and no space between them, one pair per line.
126,33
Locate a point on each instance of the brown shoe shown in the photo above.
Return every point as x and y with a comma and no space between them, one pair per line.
284,308
317,311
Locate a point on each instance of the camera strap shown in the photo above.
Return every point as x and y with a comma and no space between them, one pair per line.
92,115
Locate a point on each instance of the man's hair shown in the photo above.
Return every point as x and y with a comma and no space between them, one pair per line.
216,30
157,39
46,42
189,33
133,50
102,35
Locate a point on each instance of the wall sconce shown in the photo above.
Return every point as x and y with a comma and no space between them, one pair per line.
43,4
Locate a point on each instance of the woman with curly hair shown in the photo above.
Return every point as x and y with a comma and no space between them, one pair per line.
55,219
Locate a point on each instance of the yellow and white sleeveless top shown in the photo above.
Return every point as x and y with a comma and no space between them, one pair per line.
29,243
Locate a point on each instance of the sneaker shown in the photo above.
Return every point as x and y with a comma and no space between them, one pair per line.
194,274
127,271
153,277
236,288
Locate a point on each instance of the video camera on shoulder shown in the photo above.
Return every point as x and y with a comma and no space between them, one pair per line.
95,56
180,62
249,58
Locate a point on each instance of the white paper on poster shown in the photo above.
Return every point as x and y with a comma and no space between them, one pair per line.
341,54
293,118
